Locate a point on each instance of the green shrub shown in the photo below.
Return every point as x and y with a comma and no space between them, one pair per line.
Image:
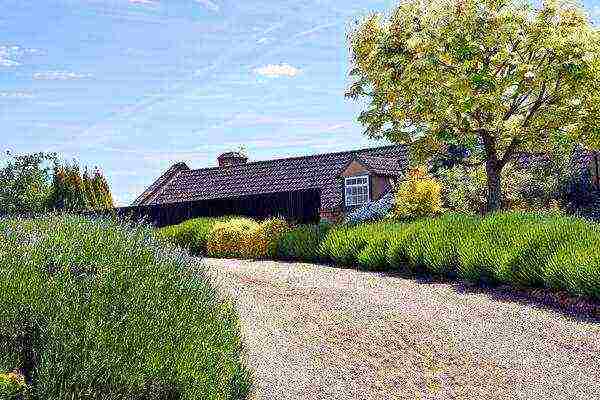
463,188
373,256
432,244
192,234
302,243
576,270
524,249
397,253
342,244
103,311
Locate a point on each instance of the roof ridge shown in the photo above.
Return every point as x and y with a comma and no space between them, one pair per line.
302,157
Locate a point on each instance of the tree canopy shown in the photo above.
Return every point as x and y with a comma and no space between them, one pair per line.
502,76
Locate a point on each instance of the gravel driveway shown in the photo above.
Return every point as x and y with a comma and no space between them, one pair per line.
315,332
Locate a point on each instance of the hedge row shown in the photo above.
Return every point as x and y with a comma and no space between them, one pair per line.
96,310
523,249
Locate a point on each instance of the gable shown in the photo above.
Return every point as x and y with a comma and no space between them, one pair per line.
354,168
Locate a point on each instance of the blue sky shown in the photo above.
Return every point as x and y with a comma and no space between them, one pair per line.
133,86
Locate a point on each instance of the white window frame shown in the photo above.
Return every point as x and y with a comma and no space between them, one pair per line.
352,200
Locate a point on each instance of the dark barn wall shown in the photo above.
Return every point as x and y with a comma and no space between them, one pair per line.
296,207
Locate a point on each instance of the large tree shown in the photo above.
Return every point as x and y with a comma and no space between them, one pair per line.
498,75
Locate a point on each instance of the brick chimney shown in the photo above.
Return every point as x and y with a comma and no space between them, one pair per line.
232,158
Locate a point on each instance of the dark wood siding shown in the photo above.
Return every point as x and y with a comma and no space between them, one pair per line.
296,207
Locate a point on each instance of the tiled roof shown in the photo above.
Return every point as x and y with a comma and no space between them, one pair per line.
383,165
321,171
149,195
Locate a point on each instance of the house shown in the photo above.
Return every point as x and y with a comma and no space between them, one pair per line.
321,186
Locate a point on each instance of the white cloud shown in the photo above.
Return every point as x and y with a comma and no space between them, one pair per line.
212,6
146,2
5,62
16,95
59,76
273,70
9,55
313,30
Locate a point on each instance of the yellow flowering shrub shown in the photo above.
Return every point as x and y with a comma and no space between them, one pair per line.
231,239
265,239
418,196
245,238
12,385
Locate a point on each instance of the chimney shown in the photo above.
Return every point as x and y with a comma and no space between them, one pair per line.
232,158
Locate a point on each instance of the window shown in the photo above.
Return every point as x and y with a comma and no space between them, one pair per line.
357,190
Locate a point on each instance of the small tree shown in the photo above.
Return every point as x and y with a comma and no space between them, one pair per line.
25,182
102,190
90,193
497,75
78,198
59,193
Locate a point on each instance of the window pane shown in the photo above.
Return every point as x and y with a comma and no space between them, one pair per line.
357,190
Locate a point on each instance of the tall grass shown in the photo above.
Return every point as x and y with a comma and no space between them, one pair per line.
95,310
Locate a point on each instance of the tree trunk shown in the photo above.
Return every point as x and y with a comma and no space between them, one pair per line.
494,194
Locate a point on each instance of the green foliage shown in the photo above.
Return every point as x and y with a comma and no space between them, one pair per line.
91,197
344,244
228,237
373,256
100,310
191,235
532,183
302,243
102,191
463,188
492,75
25,183
418,196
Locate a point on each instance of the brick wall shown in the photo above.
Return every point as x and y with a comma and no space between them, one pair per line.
331,215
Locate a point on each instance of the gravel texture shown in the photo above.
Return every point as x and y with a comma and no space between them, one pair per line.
316,332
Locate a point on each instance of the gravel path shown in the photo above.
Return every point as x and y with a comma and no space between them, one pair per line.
315,332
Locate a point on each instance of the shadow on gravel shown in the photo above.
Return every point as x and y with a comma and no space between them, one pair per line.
580,309
577,308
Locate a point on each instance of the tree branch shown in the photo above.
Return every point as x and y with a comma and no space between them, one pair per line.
536,105
471,164
514,143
